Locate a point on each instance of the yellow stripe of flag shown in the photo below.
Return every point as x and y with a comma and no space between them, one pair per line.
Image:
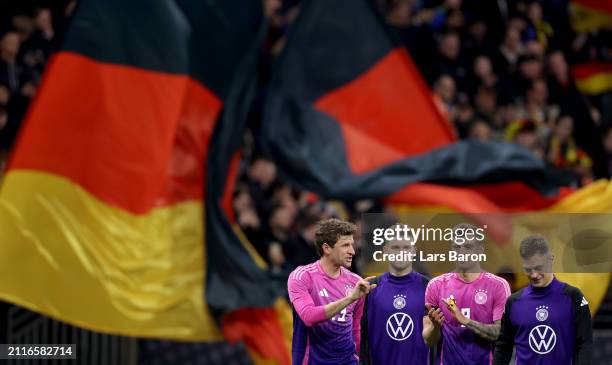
103,268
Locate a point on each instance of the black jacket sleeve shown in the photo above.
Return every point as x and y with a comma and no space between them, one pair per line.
583,332
507,334
364,351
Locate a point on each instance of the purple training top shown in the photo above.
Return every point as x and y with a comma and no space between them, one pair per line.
317,340
482,300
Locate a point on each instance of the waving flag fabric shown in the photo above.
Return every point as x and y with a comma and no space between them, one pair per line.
589,15
349,117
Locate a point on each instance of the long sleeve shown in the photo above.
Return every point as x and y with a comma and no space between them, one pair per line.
302,301
505,341
357,315
583,333
364,351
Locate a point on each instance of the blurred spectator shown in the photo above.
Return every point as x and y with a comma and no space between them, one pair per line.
261,174
284,195
538,29
504,115
272,10
485,102
523,133
3,117
280,224
301,246
510,51
464,114
276,258
444,94
483,72
536,108
480,130
24,25
455,20
399,13
530,69
475,42
17,78
559,80
5,95
11,72
449,51
246,214
38,47
563,152
534,48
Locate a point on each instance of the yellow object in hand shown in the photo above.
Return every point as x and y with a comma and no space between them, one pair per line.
452,304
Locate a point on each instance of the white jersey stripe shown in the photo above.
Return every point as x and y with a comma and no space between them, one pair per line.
308,268
296,272
503,282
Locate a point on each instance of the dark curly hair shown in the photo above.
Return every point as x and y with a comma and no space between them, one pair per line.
330,230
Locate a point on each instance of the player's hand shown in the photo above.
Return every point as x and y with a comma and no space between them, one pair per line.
362,288
435,315
455,312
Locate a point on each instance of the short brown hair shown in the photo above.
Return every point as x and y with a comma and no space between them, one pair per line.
330,230
533,245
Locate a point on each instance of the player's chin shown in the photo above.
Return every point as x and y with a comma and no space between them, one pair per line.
400,265
347,263
464,265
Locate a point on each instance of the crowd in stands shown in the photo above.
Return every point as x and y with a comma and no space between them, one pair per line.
498,70
27,41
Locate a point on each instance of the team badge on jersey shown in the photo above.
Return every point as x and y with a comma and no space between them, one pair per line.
541,313
481,296
347,289
399,301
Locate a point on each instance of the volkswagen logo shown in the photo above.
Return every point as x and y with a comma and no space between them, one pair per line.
542,339
399,326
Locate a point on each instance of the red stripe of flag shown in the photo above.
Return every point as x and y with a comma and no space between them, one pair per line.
134,138
588,69
601,5
386,114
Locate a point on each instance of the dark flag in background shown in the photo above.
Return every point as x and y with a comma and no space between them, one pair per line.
348,117
341,67
120,163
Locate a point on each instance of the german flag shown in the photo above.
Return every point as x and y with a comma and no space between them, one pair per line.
593,77
348,117
590,15
123,150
